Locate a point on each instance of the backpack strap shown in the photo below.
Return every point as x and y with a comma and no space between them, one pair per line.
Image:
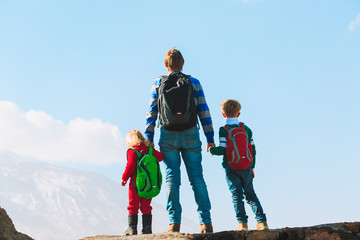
136,151
177,73
241,125
162,77
150,151
139,155
227,128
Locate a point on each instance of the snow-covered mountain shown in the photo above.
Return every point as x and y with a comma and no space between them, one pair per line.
51,202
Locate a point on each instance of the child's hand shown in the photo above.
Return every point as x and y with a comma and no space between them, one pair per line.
210,151
123,183
209,145
252,173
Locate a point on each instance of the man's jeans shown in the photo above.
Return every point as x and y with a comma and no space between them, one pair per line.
241,183
188,143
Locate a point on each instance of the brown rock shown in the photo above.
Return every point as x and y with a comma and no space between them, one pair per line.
225,235
354,227
7,228
266,235
326,233
294,233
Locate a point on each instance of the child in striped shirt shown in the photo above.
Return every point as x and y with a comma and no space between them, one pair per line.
240,182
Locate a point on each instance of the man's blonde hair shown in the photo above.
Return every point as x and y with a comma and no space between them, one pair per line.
174,60
134,138
230,107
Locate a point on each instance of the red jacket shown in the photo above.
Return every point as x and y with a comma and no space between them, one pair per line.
130,169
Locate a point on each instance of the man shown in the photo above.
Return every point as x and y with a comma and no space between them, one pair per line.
179,134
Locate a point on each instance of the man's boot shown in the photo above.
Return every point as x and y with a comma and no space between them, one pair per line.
206,228
174,227
146,222
243,227
133,221
262,226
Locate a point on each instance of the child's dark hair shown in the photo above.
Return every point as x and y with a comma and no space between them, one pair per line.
230,107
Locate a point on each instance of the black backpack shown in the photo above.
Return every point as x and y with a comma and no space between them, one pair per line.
176,103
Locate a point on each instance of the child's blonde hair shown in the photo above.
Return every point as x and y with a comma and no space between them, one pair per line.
230,107
174,60
134,138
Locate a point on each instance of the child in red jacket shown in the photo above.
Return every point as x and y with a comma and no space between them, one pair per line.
134,139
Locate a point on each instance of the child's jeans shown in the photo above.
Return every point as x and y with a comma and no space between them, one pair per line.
241,183
188,144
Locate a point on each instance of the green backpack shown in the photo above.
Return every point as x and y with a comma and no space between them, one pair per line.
149,177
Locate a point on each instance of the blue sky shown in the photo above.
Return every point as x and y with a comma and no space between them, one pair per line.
75,77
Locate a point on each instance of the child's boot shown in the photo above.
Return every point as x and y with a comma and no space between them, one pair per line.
146,222
243,227
133,221
262,226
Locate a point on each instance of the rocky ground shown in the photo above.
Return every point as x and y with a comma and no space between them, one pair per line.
336,231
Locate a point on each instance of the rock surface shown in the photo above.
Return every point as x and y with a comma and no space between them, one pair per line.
336,231
7,228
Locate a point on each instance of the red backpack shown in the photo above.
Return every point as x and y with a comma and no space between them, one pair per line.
239,152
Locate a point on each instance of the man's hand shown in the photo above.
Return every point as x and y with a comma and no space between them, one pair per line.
151,144
209,145
252,173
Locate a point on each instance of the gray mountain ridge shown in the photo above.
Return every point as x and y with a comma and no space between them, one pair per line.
43,199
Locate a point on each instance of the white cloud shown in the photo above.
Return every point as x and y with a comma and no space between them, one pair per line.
37,135
354,24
